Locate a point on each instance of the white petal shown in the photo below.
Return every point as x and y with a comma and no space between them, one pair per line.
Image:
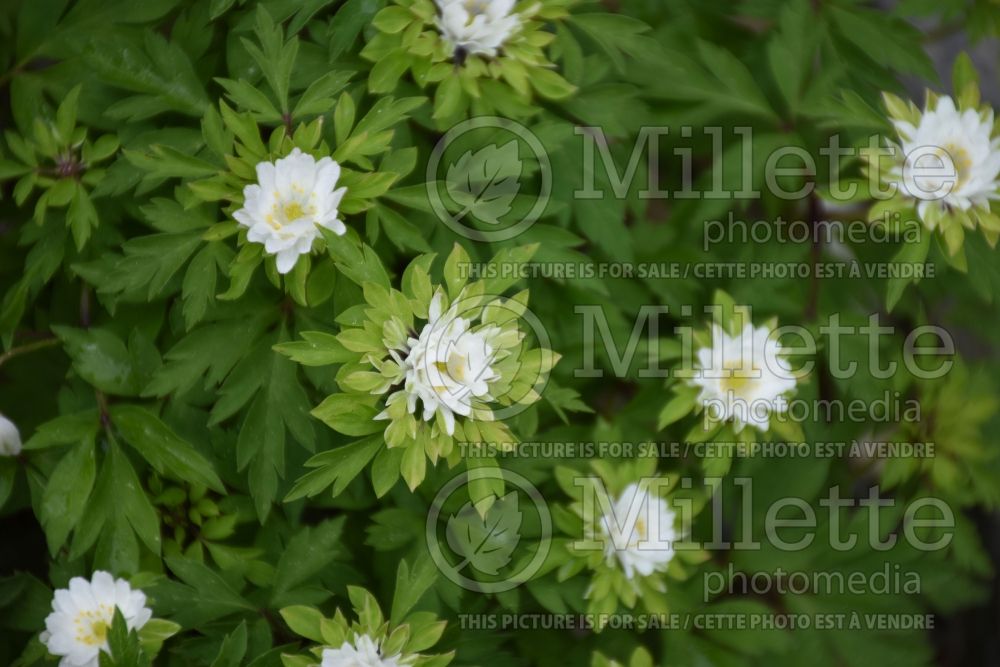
286,260
10,438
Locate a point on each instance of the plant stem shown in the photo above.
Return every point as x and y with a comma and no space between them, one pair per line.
815,257
25,349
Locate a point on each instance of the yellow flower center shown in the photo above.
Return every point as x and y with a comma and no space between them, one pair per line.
454,368
100,631
293,211
92,625
476,7
283,213
738,378
457,365
962,161
640,528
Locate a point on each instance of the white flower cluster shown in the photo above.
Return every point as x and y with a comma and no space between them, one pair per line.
10,438
447,366
364,652
77,629
744,377
478,27
291,200
639,532
950,160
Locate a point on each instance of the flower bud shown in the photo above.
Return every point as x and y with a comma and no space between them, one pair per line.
10,438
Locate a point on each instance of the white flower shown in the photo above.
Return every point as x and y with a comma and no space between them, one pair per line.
10,438
448,366
77,628
639,532
950,159
477,26
293,198
744,377
364,652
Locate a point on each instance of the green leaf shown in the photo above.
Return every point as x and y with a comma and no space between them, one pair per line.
100,358
306,11
393,19
386,470
281,404
250,98
386,113
306,554
318,349
413,466
219,7
126,498
125,650
616,34
551,85
910,253
162,448
449,99
337,467
245,128
66,114
66,493
456,270
233,649
411,584
676,408
964,77
319,97
204,594
154,633
347,24
105,146
361,265
387,72
158,71
81,216
275,57
484,488
304,621
150,265
349,414
864,27
164,162
65,429
199,286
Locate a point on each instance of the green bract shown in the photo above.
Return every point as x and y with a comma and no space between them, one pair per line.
409,41
950,223
685,399
367,139
609,589
941,218
372,353
955,426
60,159
639,658
405,636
